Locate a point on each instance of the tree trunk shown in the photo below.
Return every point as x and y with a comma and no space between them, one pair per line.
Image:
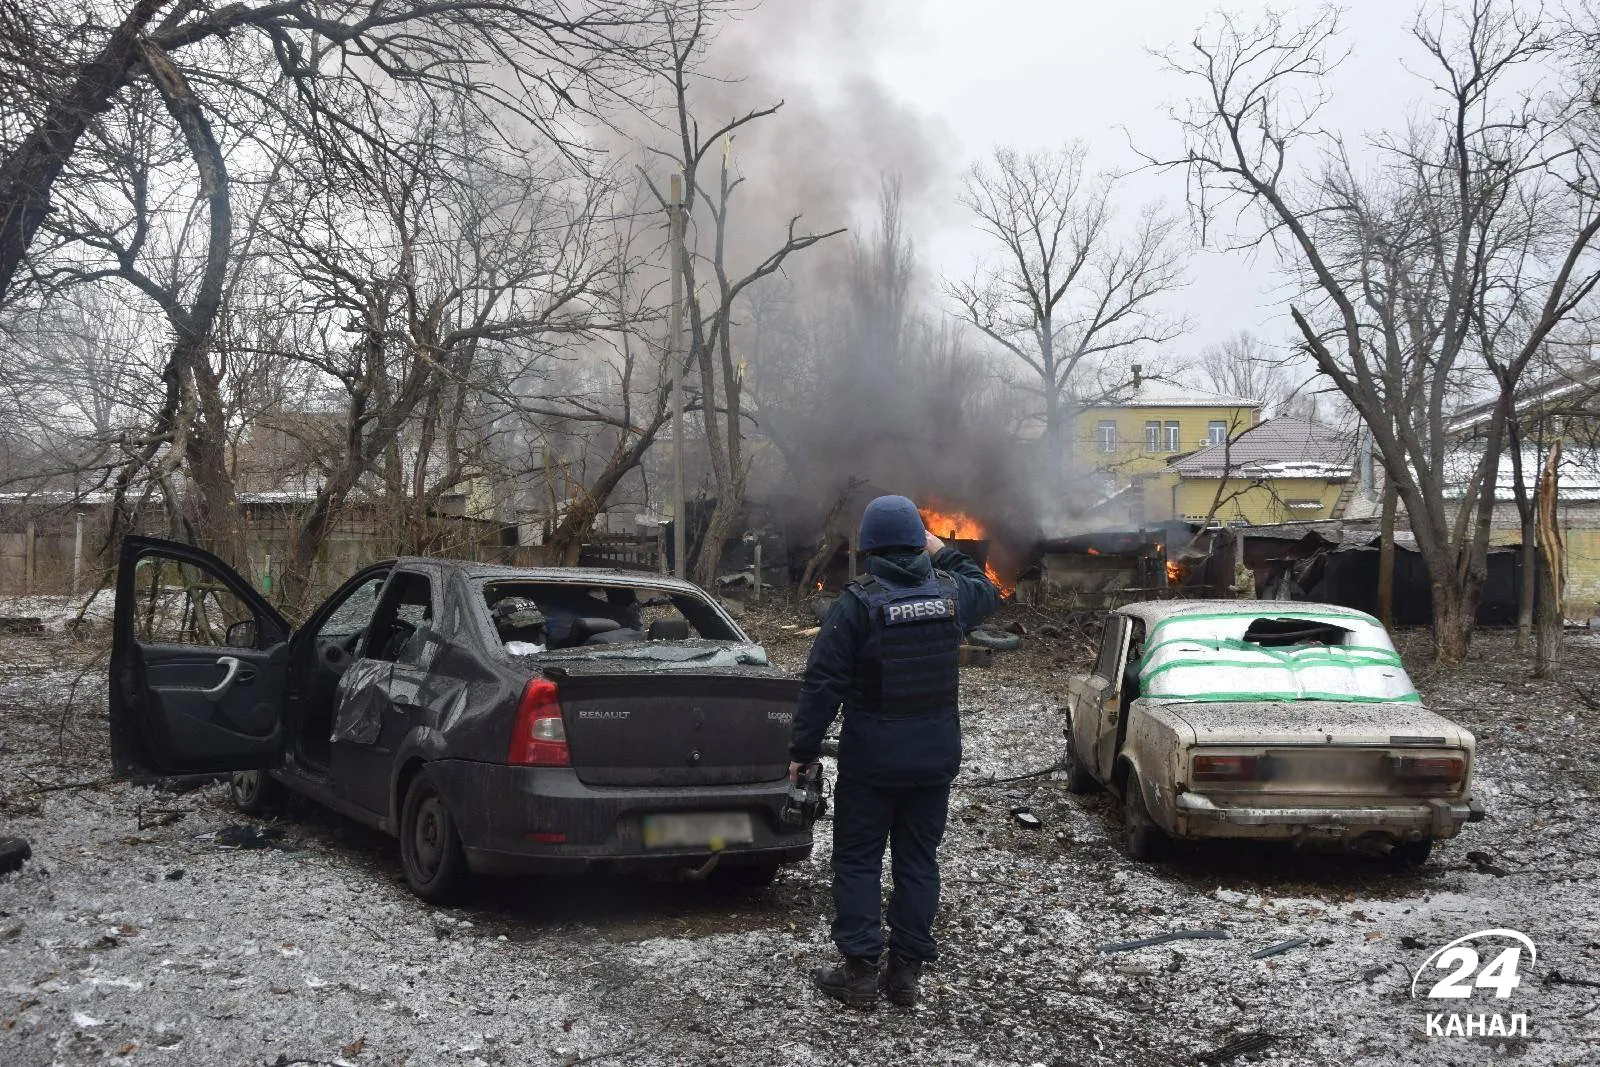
217,517
1530,545
1391,505
1454,613
1552,556
564,543
724,524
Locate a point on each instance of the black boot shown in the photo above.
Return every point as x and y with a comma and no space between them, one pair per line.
855,981
899,980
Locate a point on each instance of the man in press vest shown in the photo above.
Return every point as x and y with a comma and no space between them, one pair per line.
888,654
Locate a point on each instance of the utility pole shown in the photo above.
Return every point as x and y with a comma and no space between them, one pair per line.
674,339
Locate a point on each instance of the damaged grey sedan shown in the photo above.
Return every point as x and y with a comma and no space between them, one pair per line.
498,721
1265,720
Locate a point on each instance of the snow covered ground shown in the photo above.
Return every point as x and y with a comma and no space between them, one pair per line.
132,937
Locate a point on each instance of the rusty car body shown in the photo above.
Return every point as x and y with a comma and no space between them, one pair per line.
1265,720
647,733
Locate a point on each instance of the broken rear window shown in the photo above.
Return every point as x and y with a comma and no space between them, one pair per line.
585,614
1283,657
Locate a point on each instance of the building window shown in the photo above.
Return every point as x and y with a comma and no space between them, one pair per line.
1108,435
1152,436
1216,432
1174,441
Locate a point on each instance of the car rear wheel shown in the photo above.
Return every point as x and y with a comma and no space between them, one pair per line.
1144,839
1079,780
255,792
430,848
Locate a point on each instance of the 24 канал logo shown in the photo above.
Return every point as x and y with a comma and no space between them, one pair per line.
1482,962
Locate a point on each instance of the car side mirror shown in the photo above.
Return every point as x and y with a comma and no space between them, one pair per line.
241,634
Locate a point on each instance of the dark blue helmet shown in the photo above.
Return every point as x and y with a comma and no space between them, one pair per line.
891,522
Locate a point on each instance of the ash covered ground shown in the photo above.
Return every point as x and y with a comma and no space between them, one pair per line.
133,937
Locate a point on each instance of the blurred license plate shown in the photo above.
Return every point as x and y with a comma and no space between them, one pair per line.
700,829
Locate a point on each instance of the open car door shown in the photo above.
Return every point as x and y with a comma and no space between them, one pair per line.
199,665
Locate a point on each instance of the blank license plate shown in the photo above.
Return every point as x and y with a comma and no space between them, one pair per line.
701,829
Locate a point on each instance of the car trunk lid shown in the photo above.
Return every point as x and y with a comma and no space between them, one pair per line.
634,723
1324,749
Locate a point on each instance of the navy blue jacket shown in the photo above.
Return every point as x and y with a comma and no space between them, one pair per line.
881,750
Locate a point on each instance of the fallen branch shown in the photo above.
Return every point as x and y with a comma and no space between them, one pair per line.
1040,773
94,783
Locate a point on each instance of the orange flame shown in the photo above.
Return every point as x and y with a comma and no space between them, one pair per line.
1092,550
1174,572
959,526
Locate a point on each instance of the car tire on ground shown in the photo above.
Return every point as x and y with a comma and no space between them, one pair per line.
1411,854
430,847
1079,780
1144,840
997,640
255,792
746,878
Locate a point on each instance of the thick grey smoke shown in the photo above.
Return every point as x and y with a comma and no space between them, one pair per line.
855,376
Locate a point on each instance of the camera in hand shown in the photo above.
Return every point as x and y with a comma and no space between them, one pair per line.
805,802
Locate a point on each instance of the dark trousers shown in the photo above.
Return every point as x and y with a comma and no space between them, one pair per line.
910,819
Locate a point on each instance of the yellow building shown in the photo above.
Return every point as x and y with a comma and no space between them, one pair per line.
1127,445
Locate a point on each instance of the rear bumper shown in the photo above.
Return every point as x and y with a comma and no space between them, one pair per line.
1199,816
496,807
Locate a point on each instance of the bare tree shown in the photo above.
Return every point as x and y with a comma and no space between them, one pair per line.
1244,365
64,63
709,185
1451,261
1069,289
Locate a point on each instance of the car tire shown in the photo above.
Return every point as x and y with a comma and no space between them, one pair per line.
996,640
430,846
1144,840
255,792
1410,855
747,878
1079,780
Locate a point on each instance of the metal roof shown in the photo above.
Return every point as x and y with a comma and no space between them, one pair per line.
1284,447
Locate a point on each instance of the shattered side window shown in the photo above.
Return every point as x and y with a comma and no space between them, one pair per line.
177,603
353,613
1111,646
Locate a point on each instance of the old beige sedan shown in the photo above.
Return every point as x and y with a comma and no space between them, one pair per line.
1267,720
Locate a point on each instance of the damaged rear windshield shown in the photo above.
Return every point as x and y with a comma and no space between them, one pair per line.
533,617
1287,657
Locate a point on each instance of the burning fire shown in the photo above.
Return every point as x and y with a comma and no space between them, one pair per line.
959,526
1174,572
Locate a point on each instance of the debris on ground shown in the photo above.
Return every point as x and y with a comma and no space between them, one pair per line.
1280,948
14,852
192,953
1241,1047
249,836
1162,939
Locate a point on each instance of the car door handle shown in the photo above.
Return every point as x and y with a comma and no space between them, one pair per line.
216,692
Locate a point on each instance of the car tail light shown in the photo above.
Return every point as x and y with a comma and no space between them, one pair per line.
540,737
1226,768
1429,768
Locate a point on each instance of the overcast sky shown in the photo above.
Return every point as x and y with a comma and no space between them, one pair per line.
1037,73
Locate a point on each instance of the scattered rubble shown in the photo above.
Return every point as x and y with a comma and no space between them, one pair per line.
14,852
159,946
